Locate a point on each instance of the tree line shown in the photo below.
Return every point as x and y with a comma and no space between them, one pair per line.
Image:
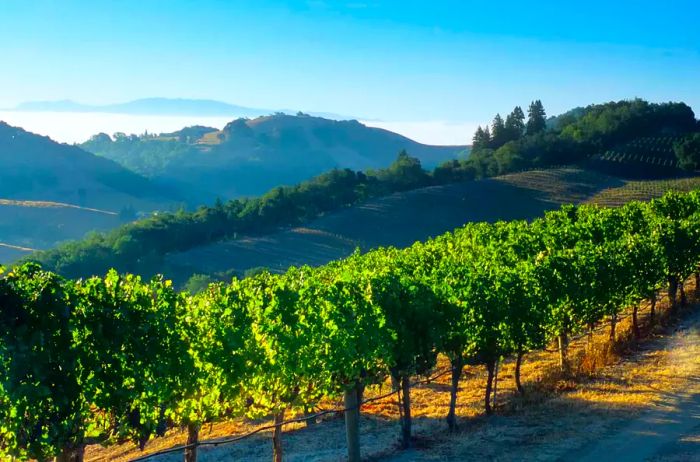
116,358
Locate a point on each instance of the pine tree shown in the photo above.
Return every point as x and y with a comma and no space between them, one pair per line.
481,139
499,136
515,124
536,121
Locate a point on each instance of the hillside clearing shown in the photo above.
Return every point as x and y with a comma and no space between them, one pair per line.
558,418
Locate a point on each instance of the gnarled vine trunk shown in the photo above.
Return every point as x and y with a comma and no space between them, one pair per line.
457,365
672,291
277,437
635,321
697,283
518,363
490,367
613,324
72,454
406,412
192,440
652,312
563,346
684,299
495,384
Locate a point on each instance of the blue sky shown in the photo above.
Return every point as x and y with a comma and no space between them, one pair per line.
390,60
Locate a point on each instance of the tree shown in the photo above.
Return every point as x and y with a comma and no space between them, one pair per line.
536,118
515,124
688,152
499,134
482,138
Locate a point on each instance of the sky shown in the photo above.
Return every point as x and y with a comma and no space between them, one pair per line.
431,70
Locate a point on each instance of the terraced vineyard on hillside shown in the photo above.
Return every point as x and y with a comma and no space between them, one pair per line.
635,158
403,218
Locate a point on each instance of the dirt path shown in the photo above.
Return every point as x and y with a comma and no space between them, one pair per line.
642,418
671,429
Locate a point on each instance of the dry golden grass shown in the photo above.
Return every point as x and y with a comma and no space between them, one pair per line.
609,383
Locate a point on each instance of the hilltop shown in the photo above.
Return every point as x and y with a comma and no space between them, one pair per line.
250,156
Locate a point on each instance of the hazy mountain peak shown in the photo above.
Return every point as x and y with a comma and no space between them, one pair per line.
160,106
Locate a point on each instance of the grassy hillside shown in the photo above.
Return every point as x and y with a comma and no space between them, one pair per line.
249,157
29,225
34,167
403,218
51,192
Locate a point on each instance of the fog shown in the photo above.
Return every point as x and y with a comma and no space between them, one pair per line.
76,127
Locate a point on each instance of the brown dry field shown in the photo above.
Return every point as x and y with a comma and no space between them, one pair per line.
558,417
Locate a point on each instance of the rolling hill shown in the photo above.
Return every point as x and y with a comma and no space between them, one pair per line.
249,157
403,218
52,192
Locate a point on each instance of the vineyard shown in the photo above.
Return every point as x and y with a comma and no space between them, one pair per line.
638,156
112,359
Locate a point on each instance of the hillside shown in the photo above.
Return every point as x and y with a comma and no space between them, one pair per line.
249,157
51,192
403,218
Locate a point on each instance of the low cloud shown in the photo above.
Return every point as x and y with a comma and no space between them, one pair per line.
70,127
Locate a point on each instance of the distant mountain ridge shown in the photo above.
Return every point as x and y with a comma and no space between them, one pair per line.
163,106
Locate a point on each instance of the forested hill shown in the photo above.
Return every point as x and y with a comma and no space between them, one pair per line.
516,143
575,138
250,156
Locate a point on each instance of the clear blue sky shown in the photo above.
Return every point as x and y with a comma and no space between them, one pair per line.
391,60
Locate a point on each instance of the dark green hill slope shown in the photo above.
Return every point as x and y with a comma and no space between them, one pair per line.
51,192
34,167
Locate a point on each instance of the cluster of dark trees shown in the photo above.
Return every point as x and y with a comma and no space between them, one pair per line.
688,152
518,144
513,128
146,154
